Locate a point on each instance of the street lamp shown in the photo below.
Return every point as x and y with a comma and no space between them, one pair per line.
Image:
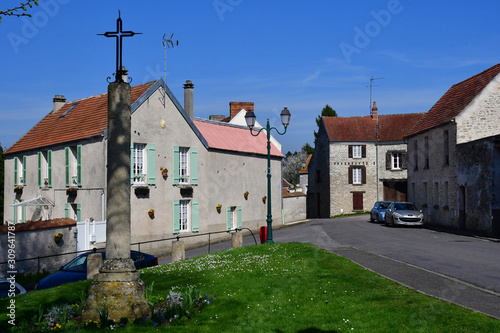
285,120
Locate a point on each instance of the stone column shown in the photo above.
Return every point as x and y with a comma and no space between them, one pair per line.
118,285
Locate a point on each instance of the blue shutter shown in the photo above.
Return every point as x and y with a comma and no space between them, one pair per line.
175,158
176,217
40,180
66,209
16,164
78,212
151,164
67,168
194,166
131,163
24,169
228,218
240,221
195,216
79,164
49,166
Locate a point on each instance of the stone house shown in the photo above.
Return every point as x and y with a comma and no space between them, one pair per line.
358,161
454,156
192,172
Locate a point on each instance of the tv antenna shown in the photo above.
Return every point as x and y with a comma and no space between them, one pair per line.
370,86
167,42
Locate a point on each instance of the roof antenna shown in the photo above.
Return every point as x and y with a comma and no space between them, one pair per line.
370,86
167,42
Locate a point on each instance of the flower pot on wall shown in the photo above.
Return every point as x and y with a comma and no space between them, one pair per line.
245,195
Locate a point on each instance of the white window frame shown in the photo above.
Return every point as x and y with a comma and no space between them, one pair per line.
20,168
184,215
357,175
396,161
184,161
357,151
233,217
140,166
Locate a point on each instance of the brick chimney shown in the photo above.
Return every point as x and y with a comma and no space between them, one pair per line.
59,101
235,107
374,111
188,98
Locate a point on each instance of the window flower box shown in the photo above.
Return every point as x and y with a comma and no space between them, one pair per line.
18,189
187,191
141,190
71,192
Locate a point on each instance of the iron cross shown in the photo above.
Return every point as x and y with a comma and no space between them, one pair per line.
119,34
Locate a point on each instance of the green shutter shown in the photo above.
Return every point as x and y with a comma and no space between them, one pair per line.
16,164
24,169
79,164
240,221
194,166
195,216
131,163
40,180
23,214
15,213
175,158
78,212
66,209
67,166
151,164
49,166
228,218
176,218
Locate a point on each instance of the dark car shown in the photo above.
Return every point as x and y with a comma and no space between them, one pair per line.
76,269
378,211
404,213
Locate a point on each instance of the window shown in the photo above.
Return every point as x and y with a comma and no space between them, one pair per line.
446,148
139,164
415,154
186,216
357,174
445,194
73,156
19,213
45,168
357,151
436,194
20,171
185,165
233,218
426,143
395,160
73,211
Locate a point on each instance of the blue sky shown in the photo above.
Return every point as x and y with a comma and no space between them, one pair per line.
292,53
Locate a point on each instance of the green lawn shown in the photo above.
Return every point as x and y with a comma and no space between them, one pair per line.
284,288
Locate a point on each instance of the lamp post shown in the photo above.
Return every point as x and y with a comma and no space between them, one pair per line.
285,120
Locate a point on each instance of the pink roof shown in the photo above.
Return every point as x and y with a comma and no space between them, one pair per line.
234,138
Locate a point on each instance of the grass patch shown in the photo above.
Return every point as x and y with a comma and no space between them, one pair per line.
287,287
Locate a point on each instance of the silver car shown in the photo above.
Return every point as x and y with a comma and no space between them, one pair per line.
403,213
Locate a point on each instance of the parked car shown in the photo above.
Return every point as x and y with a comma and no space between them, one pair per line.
403,213
8,289
76,269
378,211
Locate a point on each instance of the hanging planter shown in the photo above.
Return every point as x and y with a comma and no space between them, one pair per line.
58,238
218,207
164,172
264,199
151,213
141,190
246,195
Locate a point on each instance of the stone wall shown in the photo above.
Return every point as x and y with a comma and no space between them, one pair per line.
294,207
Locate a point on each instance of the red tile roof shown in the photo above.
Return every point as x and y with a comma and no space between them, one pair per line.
391,127
88,118
235,138
455,100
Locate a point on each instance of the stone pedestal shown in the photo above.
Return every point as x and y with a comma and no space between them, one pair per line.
94,264
236,240
119,288
178,251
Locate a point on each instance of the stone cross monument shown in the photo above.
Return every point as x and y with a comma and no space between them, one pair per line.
118,285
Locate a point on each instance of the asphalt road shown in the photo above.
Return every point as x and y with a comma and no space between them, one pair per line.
462,269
